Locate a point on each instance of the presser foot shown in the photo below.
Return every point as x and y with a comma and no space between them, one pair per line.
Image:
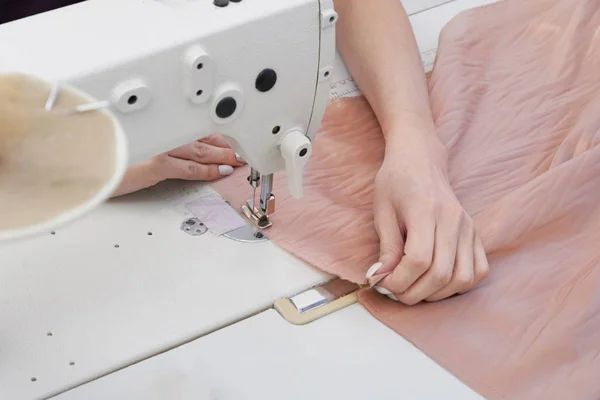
256,216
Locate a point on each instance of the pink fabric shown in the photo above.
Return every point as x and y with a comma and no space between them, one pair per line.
516,98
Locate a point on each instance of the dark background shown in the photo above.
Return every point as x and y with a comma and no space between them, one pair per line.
11,10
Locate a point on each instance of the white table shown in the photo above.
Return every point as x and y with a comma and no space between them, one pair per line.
346,355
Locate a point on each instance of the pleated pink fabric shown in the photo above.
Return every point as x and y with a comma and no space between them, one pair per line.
515,94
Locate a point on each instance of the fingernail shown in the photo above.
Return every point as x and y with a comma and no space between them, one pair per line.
383,291
225,170
239,159
374,268
391,296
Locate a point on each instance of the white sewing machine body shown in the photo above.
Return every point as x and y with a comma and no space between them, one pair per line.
126,283
176,70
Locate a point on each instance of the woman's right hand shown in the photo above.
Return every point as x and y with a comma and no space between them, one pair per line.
428,243
203,160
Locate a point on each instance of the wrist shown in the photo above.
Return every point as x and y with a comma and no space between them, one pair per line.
139,176
412,137
155,169
415,144
408,127
407,123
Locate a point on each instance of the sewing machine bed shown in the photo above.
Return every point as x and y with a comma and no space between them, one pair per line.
346,355
127,283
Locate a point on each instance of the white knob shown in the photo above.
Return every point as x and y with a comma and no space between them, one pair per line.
296,149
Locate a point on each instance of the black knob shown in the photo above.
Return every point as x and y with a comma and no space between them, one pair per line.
226,107
221,3
266,80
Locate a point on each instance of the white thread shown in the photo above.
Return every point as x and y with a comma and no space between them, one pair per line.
91,106
53,95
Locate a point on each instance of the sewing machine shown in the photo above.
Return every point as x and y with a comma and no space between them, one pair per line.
127,282
257,72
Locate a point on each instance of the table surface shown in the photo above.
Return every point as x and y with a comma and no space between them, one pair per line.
346,355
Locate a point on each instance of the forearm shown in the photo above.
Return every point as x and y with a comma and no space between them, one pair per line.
138,177
379,48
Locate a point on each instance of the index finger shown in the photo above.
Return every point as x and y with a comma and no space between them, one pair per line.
417,259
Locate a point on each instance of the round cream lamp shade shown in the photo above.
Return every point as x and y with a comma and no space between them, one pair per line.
55,164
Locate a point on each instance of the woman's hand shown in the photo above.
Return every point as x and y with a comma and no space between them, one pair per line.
203,160
427,240
428,243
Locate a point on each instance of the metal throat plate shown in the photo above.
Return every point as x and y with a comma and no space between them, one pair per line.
247,234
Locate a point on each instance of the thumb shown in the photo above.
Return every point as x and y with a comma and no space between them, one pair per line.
391,242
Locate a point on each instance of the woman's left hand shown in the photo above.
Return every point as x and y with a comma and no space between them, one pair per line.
203,160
